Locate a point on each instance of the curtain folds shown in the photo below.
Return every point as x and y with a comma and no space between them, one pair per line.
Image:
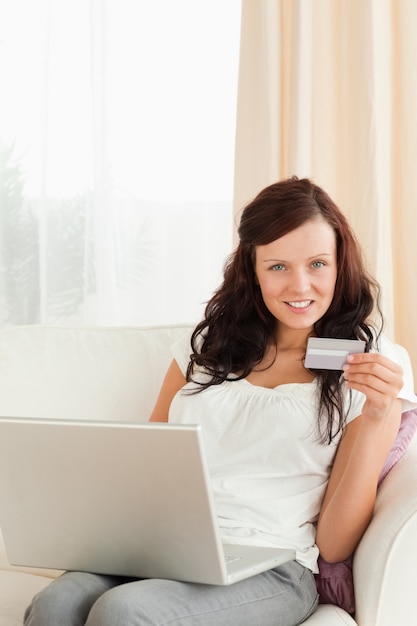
327,90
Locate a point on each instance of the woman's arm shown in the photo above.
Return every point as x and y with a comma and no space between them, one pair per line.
174,380
350,496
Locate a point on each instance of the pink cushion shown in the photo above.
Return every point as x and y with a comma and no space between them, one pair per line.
335,580
406,431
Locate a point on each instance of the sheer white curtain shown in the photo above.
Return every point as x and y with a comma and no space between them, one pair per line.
328,90
117,127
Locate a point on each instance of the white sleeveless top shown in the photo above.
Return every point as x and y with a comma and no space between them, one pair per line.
269,470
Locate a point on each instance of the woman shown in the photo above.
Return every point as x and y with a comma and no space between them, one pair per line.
294,454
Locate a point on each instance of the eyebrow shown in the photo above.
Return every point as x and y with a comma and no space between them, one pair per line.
315,256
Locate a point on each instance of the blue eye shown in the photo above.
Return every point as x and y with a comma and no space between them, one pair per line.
317,264
277,267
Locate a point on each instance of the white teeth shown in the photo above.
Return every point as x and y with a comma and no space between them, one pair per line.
300,305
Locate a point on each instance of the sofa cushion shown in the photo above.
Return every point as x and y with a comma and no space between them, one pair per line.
327,615
117,375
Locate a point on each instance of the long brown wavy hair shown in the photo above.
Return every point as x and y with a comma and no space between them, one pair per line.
237,327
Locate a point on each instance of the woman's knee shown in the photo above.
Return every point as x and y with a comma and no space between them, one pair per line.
136,602
67,600
116,606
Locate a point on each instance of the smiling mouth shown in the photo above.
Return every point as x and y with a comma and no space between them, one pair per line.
300,305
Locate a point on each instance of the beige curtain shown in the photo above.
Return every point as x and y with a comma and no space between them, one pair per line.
328,90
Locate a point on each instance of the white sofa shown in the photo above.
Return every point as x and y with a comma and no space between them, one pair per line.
115,374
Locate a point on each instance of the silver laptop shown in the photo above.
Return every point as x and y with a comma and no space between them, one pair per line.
115,498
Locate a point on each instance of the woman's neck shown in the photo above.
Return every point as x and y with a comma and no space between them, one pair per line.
287,339
281,365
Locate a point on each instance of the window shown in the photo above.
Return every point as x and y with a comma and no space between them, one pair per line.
116,158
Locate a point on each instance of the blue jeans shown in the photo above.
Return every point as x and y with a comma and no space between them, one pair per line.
284,596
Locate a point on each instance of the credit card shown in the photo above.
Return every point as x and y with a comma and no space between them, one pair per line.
330,354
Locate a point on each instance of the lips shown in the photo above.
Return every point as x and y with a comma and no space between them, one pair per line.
303,304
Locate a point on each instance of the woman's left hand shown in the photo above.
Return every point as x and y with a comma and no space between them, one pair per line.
376,376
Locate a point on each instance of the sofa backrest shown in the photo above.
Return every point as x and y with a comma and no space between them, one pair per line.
98,373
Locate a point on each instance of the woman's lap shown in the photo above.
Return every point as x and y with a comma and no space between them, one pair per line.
284,596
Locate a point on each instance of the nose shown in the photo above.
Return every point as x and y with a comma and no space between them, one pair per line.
300,281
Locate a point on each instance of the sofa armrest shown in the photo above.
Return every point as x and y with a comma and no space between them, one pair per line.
385,562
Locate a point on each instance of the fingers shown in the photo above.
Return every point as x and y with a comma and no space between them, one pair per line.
374,375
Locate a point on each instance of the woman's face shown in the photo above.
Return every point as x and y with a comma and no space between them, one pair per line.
297,275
